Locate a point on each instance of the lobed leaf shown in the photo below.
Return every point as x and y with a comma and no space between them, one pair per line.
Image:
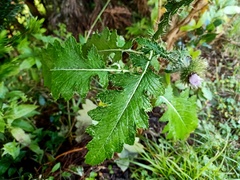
124,111
66,71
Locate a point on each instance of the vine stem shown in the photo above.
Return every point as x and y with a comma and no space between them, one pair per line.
98,17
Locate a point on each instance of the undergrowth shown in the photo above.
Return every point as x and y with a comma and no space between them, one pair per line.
106,85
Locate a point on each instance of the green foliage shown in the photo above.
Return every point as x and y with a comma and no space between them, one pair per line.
71,70
11,148
211,22
56,167
3,43
222,95
211,156
126,90
8,12
171,7
108,43
142,28
70,66
16,126
182,120
119,126
19,136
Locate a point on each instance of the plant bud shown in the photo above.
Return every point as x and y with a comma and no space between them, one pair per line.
195,80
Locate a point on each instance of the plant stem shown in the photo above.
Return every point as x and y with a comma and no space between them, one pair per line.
92,70
69,114
98,17
167,78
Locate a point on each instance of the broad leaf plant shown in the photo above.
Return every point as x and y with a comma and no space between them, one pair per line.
130,87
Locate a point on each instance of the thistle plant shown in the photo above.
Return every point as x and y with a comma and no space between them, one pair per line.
129,89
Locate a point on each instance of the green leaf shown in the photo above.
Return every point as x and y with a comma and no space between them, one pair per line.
35,148
168,95
11,171
138,61
208,37
2,124
181,115
22,110
25,125
190,26
124,111
56,167
159,50
5,163
11,148
149,45
21,136
3,90
66,71
207,93
4,48
16,95
105,42
8,69
218,22
232,10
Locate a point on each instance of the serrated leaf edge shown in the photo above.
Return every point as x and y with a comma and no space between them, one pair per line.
129,100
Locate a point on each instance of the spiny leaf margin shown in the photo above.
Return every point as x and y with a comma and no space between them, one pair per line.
126,109
66,71
172,7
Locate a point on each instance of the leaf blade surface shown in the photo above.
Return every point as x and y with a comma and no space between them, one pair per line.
125,110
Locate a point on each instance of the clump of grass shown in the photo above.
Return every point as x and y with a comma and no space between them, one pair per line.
211,156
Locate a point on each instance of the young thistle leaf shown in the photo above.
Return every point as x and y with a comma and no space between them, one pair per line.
126,109
181,114
66,71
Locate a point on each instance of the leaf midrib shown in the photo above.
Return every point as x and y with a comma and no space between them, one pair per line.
128,102
91,70
174,109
